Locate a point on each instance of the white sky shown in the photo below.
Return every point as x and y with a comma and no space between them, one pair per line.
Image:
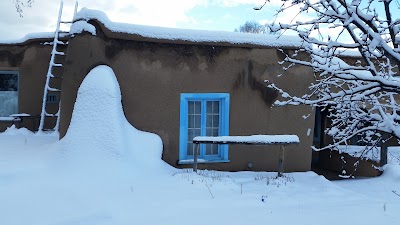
190,14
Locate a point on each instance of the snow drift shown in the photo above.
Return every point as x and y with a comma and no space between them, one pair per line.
99,128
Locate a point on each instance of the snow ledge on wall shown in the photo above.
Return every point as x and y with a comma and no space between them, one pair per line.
32,36
164,33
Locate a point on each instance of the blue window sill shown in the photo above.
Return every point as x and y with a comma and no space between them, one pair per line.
201,161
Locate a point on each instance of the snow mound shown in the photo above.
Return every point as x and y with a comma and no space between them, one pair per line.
81,26
392,172
199,36
99,129
17,131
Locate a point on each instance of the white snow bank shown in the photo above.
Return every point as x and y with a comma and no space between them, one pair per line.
32,191
31,36
99,129
16,131
253,139
392,172
189,35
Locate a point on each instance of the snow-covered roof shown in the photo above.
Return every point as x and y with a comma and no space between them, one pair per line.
196,36
168,34
32,36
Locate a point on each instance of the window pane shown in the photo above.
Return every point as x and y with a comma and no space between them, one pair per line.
209,107
209,121
214,149
215,132
216,107
8,93
8,103
189,149
197,132
8,82
191,121
190,135
208,149
209,132
197,119
197,107
211,149
190,107
215,121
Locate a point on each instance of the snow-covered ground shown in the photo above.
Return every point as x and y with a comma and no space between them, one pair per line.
104,171
36,190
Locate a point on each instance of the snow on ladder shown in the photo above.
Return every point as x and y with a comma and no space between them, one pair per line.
50,89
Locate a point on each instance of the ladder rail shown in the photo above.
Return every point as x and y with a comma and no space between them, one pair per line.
50,74
50,68
75,10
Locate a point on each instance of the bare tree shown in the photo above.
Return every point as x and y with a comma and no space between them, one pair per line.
20,4
252,27
361,97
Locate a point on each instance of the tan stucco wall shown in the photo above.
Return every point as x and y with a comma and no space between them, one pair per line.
31,60
153,75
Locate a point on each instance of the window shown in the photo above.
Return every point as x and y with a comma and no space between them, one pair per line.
8,93
318,125
205,114
52,98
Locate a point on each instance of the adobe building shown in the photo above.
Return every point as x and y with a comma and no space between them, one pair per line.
175,83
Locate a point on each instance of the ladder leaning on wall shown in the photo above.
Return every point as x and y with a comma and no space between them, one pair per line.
51,78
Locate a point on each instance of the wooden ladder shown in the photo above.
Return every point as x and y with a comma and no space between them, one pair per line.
54,76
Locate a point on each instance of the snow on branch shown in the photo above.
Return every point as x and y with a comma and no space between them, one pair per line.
359,94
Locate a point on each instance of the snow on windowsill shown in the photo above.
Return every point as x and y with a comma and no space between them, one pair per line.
9,119
20,115
189,35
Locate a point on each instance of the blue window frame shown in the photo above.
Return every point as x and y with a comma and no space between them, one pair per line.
204,114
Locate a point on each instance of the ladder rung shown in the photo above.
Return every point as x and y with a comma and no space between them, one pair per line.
63,32
66,21
59,53
50,115
47,129
57,64
60,42
53,89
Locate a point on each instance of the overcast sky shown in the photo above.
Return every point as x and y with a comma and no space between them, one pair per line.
190,14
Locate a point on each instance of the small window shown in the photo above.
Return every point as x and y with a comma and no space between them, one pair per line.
204,115
318,125
8,93
52,98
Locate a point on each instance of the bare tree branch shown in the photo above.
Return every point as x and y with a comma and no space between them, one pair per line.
20,4
360,93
